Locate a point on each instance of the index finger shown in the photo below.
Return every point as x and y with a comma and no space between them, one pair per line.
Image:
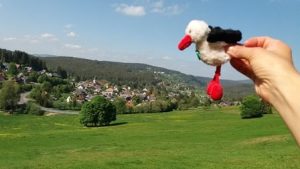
261,41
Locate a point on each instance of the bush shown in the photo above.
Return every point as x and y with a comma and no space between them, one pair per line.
9,96
31,108
251,107
120,105
97,112
25,88
20,109
63,105
42,97
266,108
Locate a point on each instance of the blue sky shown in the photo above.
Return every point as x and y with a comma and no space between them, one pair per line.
140,31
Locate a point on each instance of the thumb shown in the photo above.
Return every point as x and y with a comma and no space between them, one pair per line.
241,52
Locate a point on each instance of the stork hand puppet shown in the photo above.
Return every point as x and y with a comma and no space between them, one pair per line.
210,48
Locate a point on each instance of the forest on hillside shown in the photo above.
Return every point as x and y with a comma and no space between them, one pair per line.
20,57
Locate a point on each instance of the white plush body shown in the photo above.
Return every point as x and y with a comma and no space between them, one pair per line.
211,53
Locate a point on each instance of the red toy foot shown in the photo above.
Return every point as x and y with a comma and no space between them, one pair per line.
214,89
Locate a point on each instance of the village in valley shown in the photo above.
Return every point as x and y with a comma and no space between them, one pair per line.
86,90
56,89
146,89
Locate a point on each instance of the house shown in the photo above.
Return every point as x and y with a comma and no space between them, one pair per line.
80,87
2,77
116,89
42,71
5,66
97,90
81,95
18,66
2,67
151,98
49,74
95,81
69,99
28,69
21,78
108,92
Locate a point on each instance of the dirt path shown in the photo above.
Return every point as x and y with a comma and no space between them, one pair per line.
24,99
51,110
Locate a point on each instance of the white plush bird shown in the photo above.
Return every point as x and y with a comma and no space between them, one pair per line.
210,48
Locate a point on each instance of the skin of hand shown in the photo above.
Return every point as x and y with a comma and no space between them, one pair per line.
268,62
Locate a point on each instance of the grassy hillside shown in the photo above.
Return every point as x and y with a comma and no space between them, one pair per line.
215,138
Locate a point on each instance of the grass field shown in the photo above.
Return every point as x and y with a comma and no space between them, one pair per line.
215,138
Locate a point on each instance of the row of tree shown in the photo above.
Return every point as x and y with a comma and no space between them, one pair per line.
9,98
19,57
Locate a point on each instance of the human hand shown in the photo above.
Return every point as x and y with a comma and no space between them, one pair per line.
268,62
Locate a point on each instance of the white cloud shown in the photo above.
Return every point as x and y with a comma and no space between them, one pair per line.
27,36
68,26
47,35
92,49
158,4
9,39
130,10
34,41
72,46
1,5
161,8
71,34
166,58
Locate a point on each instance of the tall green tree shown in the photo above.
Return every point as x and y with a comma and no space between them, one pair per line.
97,112
120,105
61,72
9,96
251,107
12,69
266,108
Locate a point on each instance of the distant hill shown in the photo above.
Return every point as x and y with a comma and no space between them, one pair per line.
138,74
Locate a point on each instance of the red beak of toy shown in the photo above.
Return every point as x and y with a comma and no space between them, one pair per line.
185,42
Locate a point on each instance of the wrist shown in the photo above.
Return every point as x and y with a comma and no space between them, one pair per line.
284,94
287,104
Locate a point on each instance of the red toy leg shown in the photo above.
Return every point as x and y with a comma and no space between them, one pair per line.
214,88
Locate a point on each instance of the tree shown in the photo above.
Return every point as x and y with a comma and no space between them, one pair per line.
12,69
61,72
33,76
33,109
120,105
97,112
251,107
136,100
266,108
9,96
46,86
41,96
194,101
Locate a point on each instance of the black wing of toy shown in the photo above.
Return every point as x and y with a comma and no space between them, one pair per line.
217,34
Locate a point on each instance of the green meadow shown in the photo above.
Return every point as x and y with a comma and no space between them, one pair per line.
214,138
